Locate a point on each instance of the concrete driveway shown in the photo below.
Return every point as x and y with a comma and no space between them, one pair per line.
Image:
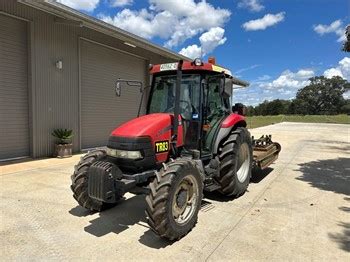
297,210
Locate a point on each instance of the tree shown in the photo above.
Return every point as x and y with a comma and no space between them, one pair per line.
346,107
322,96
275,107
250,111
346,46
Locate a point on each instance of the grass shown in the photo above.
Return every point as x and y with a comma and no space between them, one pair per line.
258,121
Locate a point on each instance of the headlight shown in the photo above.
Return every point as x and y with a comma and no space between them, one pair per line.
124,153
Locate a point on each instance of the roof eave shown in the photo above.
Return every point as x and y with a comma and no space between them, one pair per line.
63,11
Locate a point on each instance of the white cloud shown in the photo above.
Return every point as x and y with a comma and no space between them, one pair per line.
212,39
342,70
143,23
335,27
264,78
284,86
287,84
265,22
199,19
325,29
305,73
172,20
120,3
346,95
288,80
238,72
179,8
329,73
252,5
209,41
192,51
85,5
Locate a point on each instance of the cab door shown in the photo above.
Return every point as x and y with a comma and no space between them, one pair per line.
215,111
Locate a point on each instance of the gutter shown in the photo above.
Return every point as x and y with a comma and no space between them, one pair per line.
62,11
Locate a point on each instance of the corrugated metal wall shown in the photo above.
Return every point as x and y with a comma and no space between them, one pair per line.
54,93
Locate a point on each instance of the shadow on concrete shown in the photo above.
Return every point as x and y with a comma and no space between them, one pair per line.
79,211
119,218
343,238
332,145
344,149
150,239
258,175
331,142
331,175
345,209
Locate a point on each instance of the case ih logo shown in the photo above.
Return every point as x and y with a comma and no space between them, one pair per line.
162,146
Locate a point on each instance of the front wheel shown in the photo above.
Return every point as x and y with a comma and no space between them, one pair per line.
175,199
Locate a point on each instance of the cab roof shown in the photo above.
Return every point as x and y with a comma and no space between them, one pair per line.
188,66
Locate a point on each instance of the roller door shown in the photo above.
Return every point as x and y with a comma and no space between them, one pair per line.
14,120
101,110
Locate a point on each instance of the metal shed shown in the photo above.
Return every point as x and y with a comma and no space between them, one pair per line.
57,70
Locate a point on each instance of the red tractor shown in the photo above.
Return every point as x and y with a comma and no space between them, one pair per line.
190,140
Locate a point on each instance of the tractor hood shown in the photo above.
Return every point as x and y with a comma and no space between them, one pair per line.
155,128
151,125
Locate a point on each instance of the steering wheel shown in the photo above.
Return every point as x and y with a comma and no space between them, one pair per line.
186,111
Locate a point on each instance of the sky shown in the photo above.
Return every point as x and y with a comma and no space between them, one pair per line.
276,45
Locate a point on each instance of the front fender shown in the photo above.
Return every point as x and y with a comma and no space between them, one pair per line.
232,121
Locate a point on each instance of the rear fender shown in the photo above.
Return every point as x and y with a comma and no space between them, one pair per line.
230,123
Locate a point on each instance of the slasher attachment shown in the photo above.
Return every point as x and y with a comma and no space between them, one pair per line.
265,152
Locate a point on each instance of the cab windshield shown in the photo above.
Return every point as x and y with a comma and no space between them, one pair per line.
163,96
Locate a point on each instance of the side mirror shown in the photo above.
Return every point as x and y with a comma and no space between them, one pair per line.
133,83
228,87
240,109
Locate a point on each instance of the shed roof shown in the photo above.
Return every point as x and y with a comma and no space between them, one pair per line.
85,20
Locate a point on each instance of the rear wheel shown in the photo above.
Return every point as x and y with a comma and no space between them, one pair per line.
175,199
80,181
236,159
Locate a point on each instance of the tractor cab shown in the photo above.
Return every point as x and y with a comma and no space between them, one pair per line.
204,102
